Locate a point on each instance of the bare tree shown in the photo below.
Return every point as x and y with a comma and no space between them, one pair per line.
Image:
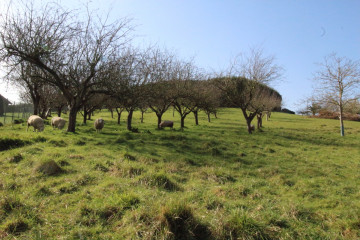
255,66
185,75
72,51
339,81
161,66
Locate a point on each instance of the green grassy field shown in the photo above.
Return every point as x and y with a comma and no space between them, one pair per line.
296,179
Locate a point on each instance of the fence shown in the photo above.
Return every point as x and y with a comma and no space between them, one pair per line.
16,111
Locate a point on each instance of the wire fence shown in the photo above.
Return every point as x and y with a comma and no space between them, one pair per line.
15,112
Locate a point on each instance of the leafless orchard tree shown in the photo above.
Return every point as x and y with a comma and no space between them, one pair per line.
256,66
339,81
242,83
126,80
161,67
71,49
185,76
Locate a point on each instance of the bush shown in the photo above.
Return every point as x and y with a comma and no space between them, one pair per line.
1,124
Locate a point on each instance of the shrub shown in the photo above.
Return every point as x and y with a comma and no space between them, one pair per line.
1,124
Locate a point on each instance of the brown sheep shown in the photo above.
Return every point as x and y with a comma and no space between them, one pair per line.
169,124
99,124
58,122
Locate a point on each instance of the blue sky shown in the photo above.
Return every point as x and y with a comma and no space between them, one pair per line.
298,32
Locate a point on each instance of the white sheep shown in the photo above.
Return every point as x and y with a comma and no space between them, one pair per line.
37,122
99,124
58,122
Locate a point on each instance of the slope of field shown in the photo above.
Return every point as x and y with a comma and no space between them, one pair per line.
295,179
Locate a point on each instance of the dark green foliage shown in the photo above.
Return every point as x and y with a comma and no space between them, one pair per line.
9,143
1,124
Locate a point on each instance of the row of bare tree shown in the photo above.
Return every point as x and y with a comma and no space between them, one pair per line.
85,63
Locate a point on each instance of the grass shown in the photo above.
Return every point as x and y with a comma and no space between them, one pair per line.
296,179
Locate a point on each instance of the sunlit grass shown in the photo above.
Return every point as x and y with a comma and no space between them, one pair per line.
296,179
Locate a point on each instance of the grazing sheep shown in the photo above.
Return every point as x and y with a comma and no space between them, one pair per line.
99,124
37,122
166,124
58,122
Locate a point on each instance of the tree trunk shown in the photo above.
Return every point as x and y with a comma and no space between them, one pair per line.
72,118
342,130
208,115
129,120
43,114
89,115
59,111
268,114
196,117
215,115
183,121
36,102
119,114
142,117
85,115
112,112
259,120
159,116
248,123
